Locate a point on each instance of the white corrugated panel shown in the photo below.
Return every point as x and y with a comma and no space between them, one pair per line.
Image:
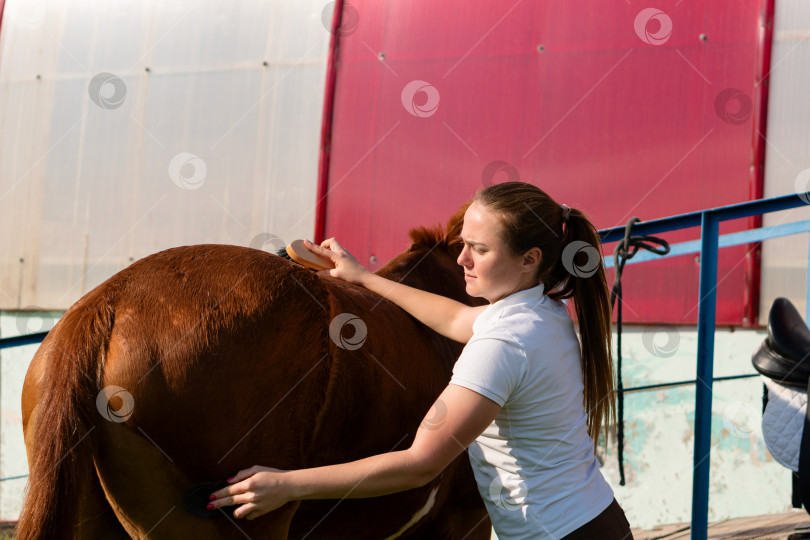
787,164
132,126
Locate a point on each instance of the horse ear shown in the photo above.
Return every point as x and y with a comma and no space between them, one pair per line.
454,225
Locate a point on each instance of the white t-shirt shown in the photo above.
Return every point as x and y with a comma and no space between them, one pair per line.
534,465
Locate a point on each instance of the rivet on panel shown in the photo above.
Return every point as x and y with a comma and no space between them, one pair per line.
703,37
381,56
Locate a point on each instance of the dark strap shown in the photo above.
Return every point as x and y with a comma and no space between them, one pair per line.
619,385
804,458
626,249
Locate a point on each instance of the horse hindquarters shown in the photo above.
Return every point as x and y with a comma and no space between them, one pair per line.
68,498
205,374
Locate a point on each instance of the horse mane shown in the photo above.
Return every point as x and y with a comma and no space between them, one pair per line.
428,236
437,237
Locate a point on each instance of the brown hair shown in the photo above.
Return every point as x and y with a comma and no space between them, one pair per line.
530,218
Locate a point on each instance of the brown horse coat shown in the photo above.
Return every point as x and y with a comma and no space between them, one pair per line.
223,359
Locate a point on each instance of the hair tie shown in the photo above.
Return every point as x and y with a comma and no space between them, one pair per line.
566,210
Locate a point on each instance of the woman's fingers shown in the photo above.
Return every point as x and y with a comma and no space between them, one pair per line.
258,491
241,475
346,265
330,249
225,496
312,246
222,496
247,511
230,500
319,250
331,244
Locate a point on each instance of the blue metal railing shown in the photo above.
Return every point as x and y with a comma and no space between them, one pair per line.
709,243
19,341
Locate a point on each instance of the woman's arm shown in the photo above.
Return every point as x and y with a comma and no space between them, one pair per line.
457,417
446,316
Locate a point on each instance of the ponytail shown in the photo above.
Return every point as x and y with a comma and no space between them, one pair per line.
584,280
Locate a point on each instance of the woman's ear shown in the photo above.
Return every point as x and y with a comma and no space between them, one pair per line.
532,259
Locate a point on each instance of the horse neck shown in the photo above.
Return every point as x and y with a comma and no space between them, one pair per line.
445,283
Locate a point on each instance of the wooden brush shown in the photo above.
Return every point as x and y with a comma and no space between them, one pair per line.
300,254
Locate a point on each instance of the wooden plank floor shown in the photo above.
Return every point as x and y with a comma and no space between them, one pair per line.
788,526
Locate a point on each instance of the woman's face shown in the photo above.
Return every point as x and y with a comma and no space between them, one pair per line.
491,271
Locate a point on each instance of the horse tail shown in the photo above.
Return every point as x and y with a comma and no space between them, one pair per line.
60,463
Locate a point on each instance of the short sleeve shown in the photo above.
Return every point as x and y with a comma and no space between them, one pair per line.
491,367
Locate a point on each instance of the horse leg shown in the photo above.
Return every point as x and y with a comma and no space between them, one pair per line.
145,489
96,519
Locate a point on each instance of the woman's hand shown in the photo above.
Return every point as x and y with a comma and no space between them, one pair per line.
346,266
259,490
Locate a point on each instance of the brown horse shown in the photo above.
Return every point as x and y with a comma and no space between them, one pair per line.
199,361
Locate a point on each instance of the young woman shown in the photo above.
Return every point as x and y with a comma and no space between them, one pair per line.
525,399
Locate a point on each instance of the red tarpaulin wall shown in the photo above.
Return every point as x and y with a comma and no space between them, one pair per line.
614,109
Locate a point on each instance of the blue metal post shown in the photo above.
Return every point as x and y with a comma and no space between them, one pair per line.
709,232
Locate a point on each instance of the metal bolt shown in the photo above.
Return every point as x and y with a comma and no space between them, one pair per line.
539,48
373,259
264,63
697,259
381,56
146,69
703,37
